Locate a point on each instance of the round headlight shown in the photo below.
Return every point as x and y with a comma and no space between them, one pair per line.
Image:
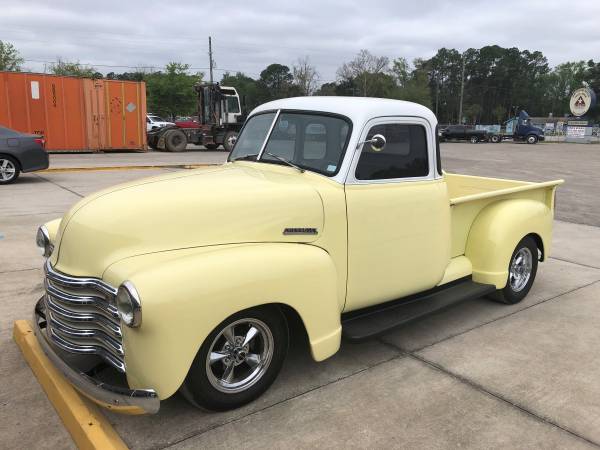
42,240
128,305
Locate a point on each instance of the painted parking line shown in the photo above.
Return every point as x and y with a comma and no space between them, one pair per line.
141,167
88,427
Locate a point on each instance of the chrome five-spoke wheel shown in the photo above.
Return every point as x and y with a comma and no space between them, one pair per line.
239,356
238,360
520,269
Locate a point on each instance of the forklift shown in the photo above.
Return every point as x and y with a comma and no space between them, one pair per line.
218,123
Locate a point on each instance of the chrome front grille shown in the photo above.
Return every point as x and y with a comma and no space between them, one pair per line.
82,317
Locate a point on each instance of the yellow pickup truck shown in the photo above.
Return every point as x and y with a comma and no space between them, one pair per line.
331,211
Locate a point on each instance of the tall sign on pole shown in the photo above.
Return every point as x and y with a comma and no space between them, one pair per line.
582,100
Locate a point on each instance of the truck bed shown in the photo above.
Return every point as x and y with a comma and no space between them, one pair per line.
468,195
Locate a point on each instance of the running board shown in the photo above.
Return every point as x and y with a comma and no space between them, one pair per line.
373,321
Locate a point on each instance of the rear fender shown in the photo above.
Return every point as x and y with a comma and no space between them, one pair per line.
185,294
497,230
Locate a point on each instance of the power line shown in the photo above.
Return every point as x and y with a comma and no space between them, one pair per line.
131,67
156,68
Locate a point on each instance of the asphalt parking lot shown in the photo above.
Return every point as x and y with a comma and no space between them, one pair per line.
478,375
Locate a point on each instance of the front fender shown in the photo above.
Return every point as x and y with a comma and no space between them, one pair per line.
185,294
497,230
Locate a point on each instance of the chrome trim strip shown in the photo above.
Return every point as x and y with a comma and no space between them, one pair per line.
112,397
83,300
264,145
86,333
70,347
83,317
69,281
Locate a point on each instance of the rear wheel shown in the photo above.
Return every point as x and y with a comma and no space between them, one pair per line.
521,273
152,141
9,169
175,140
474,139
238,361
532,139
495,139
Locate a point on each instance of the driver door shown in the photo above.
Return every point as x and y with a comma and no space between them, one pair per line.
398,215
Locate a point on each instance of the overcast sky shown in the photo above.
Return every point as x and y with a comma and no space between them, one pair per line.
248,35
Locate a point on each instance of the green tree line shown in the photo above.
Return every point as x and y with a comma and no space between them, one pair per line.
493,82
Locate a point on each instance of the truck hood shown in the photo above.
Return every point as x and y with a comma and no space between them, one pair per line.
233,203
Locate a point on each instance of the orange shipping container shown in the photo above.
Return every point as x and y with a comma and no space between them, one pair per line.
75,114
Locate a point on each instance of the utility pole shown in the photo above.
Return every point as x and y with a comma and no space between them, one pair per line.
210,58
437,92
462,89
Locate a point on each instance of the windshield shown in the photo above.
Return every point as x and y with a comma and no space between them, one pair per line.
315,142
233,105
156,119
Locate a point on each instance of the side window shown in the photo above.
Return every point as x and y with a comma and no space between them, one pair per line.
404,155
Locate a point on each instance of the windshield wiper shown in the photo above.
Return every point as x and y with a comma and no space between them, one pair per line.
277,157
245,157
285,161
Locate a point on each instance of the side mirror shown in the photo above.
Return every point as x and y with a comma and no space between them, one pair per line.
377,143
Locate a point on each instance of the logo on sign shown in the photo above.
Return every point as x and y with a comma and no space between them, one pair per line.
581,101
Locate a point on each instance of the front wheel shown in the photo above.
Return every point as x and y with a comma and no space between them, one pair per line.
532,139
229,140
474,139
495,139
238,361
521,273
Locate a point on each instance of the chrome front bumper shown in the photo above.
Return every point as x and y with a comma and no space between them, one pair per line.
128,401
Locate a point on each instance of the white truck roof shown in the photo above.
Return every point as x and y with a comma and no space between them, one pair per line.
357,109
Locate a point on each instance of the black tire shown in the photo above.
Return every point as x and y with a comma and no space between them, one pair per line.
152,141
495,139
228,141
211,146
175,140
513,292
10,169
531,139
199,387
474,139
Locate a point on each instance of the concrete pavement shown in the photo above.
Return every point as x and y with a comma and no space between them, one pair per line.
193,155
477,375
